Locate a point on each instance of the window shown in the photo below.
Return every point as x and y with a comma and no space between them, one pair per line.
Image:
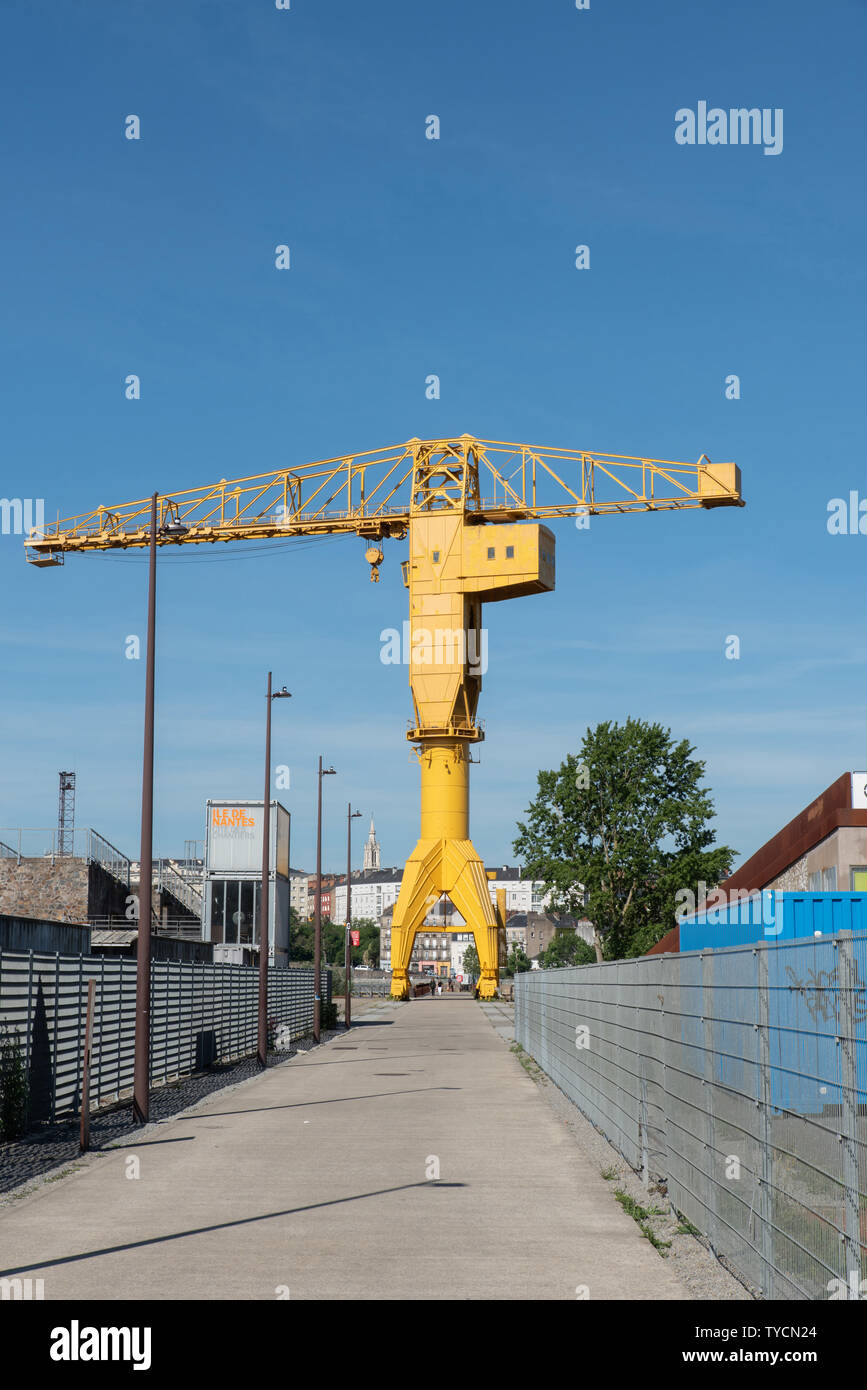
814,882
245,913
436,557
510,552
829,879
232,912
218,907
491,552
859,880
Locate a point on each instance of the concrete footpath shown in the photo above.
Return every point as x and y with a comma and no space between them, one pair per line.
314,1181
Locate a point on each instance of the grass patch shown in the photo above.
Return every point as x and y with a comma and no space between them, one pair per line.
609,1174
531,1067
640,1216
64,1173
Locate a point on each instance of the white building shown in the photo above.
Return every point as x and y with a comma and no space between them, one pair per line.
373,890
299,885
376,891
522,894
458,945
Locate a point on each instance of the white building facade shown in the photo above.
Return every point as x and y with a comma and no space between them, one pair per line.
299,884
522,894
372,892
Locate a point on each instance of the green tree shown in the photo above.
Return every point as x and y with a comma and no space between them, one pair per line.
517,961
471,963
566,947
367,950
13,1085
619,829
333,941
300,937
301,940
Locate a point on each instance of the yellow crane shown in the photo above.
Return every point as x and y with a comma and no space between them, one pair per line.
473,511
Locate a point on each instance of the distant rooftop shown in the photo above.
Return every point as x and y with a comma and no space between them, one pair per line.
504,873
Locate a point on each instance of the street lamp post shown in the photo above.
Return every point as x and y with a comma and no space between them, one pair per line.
262,1048
141,1064
317,944
347,971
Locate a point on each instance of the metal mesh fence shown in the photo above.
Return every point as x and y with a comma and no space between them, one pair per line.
78,844
200,1014
739,1078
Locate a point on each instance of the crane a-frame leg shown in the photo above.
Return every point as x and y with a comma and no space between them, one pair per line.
452,867
445,861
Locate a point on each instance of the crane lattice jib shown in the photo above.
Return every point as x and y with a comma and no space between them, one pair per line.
374,495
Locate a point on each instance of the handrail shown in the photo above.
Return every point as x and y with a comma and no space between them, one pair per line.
43,842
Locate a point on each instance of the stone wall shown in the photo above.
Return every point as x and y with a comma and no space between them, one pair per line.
67,890
54,892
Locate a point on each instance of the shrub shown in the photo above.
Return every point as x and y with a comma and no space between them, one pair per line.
13,1086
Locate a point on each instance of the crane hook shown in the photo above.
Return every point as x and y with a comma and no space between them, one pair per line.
373,556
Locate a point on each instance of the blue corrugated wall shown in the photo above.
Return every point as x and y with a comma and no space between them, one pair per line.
803,985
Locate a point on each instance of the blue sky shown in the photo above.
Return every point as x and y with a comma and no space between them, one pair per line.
411,257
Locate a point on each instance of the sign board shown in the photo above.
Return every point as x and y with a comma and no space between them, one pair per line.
355,937
859,791
234,837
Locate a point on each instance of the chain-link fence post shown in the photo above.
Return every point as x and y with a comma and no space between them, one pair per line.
846,975
708,1089
765,1203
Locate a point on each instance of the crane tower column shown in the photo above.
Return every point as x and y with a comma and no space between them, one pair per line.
456,564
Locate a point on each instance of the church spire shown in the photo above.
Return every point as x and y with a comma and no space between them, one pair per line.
371,848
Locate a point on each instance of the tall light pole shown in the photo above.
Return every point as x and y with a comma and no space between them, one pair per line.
169,530
347,971
141,1065
317,944
262,1049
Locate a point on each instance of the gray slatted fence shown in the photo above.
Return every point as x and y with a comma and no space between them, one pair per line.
200,1013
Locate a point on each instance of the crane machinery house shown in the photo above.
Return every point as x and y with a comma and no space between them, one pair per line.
233,880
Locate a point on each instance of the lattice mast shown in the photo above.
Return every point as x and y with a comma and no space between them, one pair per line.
66,814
